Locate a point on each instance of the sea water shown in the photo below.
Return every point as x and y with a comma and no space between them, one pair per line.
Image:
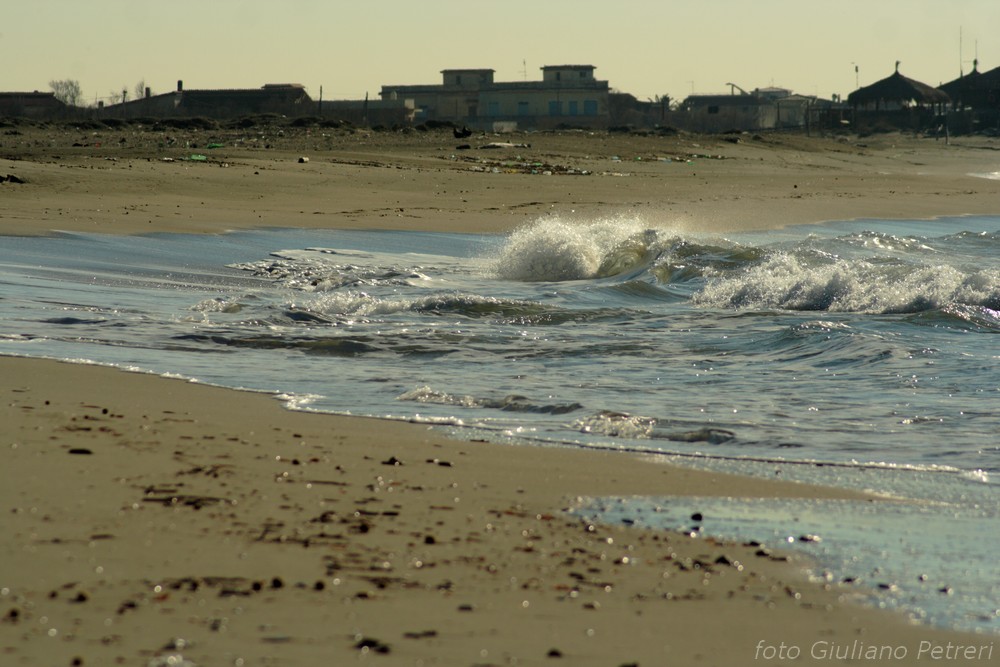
863,354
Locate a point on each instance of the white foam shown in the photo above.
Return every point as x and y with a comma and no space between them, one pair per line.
786,281
554,249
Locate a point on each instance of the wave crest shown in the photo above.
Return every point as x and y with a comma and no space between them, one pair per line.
557,250
791,282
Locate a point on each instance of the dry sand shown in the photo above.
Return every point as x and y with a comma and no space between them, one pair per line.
151,520
420,181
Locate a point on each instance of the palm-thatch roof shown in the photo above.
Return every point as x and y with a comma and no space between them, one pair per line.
897,89
976,89
969,81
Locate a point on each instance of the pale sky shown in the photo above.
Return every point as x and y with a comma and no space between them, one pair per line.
350,47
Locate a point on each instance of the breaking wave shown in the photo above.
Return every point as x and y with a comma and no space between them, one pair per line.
790,281
557,250
865,272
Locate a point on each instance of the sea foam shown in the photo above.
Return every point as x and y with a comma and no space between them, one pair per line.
554,249
788,281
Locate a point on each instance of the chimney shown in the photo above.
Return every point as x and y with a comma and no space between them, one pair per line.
180,85
149,92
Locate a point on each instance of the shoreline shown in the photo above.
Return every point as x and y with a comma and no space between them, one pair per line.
147,510
153,517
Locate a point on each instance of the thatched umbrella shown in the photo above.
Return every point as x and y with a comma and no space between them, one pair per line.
897,89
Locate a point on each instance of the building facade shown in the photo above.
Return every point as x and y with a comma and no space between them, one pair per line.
288,99
34,105
567,95
762,109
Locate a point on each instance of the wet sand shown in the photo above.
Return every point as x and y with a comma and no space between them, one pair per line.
150,519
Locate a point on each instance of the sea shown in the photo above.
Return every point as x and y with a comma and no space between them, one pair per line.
862,354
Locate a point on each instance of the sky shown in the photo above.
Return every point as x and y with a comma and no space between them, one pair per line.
350,48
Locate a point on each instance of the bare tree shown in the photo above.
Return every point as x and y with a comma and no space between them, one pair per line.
67,91
140,89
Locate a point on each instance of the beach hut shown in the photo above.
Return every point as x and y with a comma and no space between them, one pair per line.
975,100
897,92
898,102
962,90
975,90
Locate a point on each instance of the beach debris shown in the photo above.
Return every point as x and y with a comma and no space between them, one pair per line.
303,160
503,144
366,644
810,538
170,660
443,464
195,502
12,178
463,133
176,644
81,451
392,461
519,165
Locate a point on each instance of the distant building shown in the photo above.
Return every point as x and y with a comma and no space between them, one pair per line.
898,102
725,112
762,109
34,105
897,93
975,100
288,99
567,95
371,113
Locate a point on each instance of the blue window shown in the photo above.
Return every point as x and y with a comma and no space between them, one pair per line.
590,107
574,108
492,108
522,109
555,108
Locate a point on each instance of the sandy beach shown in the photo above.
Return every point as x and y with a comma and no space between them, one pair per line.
138,181
154,521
